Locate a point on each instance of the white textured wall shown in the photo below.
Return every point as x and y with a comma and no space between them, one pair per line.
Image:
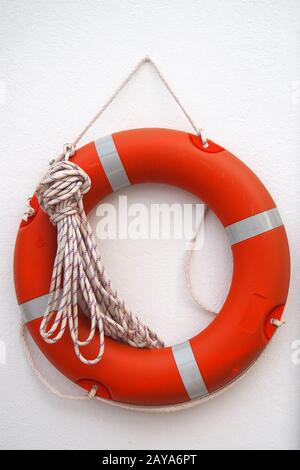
235,64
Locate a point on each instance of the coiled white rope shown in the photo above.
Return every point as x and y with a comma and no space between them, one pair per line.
78,274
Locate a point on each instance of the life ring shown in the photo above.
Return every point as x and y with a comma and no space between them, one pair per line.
233,341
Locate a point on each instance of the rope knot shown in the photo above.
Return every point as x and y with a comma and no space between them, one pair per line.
60,191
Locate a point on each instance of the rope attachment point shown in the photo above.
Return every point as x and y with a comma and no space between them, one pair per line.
92,393
277,323
29,211
69,150
203,138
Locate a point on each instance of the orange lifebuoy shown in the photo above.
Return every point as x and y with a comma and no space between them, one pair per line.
233,341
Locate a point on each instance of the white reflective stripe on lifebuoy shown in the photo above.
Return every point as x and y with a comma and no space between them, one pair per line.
35,308
254,225
189,370
111,162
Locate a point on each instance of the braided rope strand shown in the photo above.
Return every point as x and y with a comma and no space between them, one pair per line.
78,276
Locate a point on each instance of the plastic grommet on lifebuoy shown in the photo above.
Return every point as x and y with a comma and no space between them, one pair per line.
233,341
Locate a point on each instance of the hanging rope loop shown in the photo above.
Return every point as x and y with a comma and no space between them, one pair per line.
136,68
